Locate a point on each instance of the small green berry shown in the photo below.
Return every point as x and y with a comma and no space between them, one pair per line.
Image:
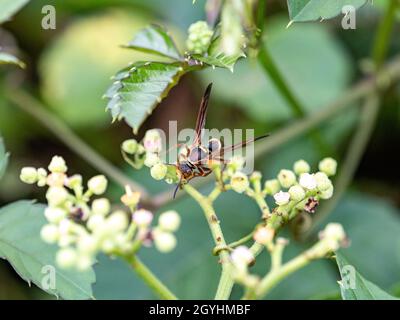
272,186
328,166
199,37
297,193
300,167
286,178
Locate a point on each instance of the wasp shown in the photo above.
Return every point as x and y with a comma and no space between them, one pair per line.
195,159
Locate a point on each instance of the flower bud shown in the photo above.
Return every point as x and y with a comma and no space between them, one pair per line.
307,181
158,171
84,262
49,233
328,166
333,235
66,257
236,163
327,194
199,37
41,175
130,146
56,196
54,214
101,206
152,141
108,246
56,179
272,186
117,221
255,176
98,184
264,235
323,182
239,182
169,221
57,164
95,222
142,218
300,167
286,178
151,159
74,181
241,257
28,175
297,193
164,241
87,244
281,198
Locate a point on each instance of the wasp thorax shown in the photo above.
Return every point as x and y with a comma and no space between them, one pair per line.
197,154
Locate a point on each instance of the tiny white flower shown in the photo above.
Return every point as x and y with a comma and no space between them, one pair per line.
98,184
286,178
282,198
142,217
28,175
308,181
241,257
57,164
56,196
264,235
169,221
152,141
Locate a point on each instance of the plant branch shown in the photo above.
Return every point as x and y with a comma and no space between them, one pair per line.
31,106
150,279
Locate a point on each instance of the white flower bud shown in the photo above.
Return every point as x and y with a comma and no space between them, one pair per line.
142,217
297,193
323,182
169,221
108,246
42,175
301,166
333,235
281,198
308,181
255,176
49,233
327,194
95,222
151,159
101,206
130,146
87,244
264,235
29,175
56,196
328,166
158,171
164,241
241,257
98,184
286,178
239,182
66,257
84,262
152,141
272,186
56,179
57,164
117,221
55,214
74,181
236,163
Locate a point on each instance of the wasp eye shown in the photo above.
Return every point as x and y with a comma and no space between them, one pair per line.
214,145
197,154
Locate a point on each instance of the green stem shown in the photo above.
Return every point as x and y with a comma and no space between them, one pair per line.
383,35
31,106
150,279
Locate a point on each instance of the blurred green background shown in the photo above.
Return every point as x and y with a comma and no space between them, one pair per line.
69,69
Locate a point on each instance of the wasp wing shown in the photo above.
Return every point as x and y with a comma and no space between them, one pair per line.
201,116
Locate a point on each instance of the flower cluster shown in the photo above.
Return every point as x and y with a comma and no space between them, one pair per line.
199,37
148,153
82,227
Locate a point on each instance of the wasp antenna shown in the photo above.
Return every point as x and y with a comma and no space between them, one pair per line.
262,137
208,90
176,190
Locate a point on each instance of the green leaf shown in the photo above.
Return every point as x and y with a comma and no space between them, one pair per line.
311,10
9,7
219,60
139,88
156,40
6,58
3,158
21,245
358,288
